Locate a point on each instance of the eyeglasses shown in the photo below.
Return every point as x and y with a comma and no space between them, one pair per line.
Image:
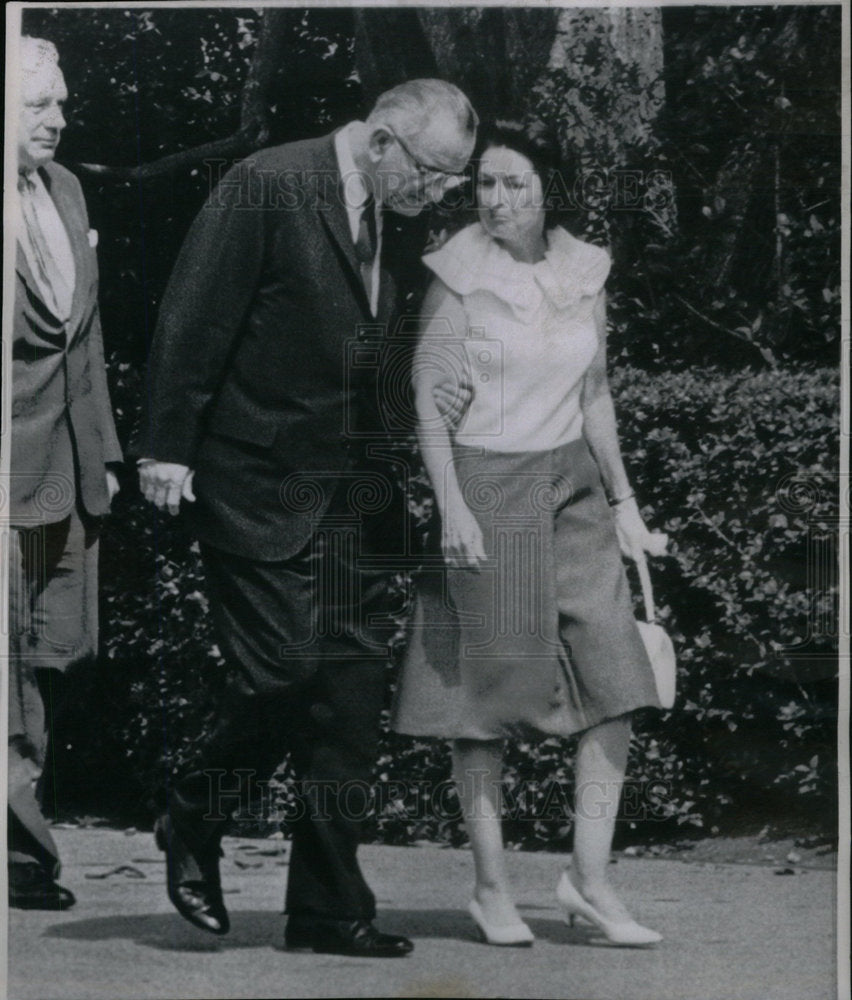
423,168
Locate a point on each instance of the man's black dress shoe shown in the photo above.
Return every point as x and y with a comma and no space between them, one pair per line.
344,937
31,888
192,877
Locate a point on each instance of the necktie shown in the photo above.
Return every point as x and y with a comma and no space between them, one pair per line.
365,245
53,284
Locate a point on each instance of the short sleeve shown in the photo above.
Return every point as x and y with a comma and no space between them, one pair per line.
461,261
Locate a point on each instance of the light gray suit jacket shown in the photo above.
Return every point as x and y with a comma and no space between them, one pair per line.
61,401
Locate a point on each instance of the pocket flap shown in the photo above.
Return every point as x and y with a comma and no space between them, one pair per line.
241,424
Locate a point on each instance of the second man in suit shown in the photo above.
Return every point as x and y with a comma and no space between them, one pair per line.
64,453
256,412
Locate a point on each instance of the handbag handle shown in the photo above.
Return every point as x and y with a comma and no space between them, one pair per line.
647,590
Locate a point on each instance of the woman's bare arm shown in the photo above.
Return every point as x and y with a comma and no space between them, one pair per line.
601,433
439,359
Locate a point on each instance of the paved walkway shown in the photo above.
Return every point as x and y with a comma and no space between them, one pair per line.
732,932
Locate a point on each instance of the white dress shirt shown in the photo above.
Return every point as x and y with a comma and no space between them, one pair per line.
58,244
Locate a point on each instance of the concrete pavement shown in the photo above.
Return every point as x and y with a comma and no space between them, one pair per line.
731,932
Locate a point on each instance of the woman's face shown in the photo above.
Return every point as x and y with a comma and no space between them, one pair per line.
509,196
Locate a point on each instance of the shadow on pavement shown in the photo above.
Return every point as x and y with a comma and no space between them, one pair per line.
170,932
456,924
264,928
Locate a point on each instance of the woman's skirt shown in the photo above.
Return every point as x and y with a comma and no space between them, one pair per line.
542,637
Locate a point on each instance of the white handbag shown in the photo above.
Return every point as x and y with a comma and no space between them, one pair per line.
658,645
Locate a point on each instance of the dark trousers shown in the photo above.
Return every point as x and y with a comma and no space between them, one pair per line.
306,641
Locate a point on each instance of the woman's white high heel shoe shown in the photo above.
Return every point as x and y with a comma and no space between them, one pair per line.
622,932
516,935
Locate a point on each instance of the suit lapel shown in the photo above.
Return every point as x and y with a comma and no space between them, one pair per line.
22,266
48,325
44,326
332,211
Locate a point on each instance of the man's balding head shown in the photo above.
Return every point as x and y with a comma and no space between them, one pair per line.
419,138
43,96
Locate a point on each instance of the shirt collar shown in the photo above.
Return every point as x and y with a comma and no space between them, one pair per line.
472,261
31,179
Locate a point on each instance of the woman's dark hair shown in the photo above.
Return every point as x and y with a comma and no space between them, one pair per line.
540,145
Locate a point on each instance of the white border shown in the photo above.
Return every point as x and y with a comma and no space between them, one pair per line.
10,173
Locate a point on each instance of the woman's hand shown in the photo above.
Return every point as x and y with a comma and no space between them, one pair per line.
633,537
461,538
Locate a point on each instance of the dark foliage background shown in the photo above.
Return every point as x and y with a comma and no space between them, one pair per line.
725,331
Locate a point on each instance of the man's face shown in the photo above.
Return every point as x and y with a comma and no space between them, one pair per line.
415,170
43,95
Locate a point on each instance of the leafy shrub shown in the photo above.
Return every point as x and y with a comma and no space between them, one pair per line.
741,471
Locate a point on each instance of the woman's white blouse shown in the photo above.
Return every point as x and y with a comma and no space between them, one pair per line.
529,340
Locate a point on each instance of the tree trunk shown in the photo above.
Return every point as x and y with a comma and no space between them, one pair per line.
494,54
593,75
266,74
608,63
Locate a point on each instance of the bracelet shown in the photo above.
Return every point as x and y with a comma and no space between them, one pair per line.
615,503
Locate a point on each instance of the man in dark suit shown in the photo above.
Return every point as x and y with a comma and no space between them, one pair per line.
63,442
260,388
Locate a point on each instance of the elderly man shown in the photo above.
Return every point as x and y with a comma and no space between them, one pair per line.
63,442
259,396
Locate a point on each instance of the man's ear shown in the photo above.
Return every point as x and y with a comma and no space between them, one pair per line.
378,142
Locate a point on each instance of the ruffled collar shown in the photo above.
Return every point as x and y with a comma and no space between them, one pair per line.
471,261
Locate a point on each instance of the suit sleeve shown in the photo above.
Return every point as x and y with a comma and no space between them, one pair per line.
96,362
211,289
100,393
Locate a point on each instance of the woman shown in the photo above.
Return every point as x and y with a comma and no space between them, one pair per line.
528,628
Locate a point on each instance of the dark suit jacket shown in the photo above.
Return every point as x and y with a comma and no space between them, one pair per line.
251,375
61,400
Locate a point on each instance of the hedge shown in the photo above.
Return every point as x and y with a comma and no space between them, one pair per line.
740,470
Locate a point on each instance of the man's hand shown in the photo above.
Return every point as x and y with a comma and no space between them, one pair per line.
452,399
633,537
112,484
165,483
